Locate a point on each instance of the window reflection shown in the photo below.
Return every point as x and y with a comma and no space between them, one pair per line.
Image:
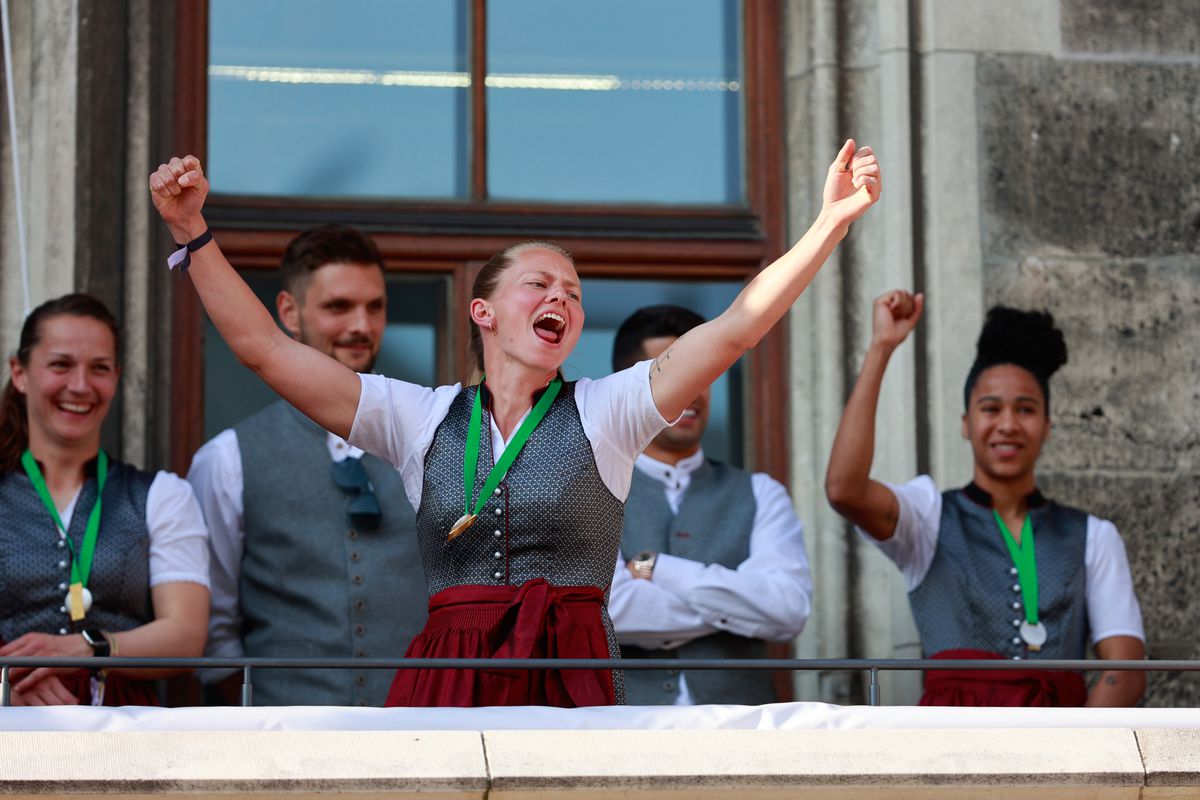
620,101
360,98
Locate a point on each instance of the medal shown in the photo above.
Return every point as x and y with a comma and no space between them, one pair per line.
1034,634
500,468
79,599
1024,558
464,522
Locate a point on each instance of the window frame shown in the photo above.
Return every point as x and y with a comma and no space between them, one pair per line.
455,237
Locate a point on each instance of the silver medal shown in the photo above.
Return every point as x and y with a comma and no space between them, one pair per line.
1034,634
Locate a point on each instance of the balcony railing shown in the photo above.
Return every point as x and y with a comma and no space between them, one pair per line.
870,666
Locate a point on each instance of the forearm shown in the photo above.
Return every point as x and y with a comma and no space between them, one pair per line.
162,638
1117,690
699,357
236,312
849,471
773,291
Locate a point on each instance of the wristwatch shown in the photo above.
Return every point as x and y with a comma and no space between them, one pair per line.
642,565
98,641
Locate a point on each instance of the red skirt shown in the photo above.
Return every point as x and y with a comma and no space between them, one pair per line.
1017,687
535,620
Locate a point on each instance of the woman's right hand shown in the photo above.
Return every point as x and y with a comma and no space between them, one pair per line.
893,317
178,189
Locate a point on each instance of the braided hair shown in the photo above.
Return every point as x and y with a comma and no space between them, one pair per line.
1026,339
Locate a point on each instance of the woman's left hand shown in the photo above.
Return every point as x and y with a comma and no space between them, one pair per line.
51,645
852,184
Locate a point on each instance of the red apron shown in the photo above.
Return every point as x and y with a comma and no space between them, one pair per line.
982,687
535,620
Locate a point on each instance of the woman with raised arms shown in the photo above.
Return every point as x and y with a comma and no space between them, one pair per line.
518,528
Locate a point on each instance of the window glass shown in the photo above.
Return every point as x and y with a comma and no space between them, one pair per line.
411,342
361,98
608,302
615,101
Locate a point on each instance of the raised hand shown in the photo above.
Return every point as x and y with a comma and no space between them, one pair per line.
893,317
178,189
852,184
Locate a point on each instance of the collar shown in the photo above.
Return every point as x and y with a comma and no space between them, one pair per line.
90,467
669,473
981,497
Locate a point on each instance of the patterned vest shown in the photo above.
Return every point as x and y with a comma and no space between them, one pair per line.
311,585
35,569
553,517
970,598
716,517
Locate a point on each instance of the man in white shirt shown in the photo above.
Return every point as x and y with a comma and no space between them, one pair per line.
712,558
313,549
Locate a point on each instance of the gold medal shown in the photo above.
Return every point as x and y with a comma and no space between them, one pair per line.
464,522
76,602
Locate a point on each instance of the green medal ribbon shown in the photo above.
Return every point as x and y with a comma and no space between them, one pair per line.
500,468
1026,563
81,564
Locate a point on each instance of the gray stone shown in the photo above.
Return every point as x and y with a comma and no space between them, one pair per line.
1089,157
1143,26
1156,516
1129,398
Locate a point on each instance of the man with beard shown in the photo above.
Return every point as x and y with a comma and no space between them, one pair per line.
313,546
712,557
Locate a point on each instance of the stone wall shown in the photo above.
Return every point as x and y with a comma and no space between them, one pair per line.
1041,154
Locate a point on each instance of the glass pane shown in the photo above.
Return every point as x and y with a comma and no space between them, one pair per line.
363,98
608,302
411,342
615,101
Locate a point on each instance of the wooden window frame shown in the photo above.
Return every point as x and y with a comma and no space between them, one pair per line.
456,237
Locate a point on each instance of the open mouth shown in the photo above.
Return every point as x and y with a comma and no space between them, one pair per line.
550,327
1005,449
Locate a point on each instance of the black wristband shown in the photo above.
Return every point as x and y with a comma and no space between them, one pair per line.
182,257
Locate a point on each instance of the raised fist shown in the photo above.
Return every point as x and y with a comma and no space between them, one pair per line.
178,189
894,315
852,184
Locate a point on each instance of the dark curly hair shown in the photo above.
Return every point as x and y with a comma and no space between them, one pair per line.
1026,339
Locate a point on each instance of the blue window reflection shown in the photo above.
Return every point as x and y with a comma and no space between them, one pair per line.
364,98
615,101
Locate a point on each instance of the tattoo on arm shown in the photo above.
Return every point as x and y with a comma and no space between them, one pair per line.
657,366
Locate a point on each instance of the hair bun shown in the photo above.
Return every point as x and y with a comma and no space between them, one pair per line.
1028,339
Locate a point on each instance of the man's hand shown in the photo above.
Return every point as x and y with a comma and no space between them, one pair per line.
893,317
178,189
48,692
852,184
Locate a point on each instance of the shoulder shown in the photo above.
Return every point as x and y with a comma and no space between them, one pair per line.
130,475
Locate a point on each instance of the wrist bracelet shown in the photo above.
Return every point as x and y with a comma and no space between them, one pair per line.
182,257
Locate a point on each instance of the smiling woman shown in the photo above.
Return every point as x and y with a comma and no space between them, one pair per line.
518,478
96,557
994,570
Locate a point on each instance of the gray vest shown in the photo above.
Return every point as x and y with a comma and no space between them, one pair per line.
311,586
553,517
716,517
35,570
970,597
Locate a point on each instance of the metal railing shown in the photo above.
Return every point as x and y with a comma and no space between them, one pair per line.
872,667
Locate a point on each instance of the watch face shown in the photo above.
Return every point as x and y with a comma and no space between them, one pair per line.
93,637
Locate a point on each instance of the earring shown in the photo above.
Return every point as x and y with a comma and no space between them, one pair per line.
492,326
